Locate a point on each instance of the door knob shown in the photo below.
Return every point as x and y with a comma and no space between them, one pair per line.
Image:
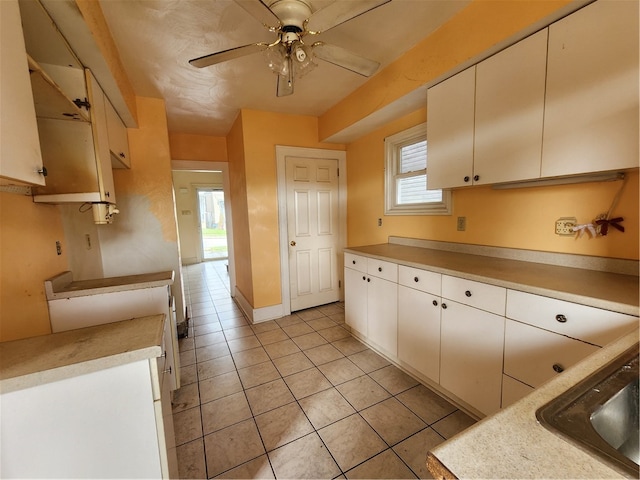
293,243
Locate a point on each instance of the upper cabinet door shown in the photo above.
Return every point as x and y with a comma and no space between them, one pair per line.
450,118
20,154
591,112
509,112
118,139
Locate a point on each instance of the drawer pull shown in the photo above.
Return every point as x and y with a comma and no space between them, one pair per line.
416,279
168,370
164,354
368,279
466,179
558,368
476,177
468,293
353,261
435,303
561,318
379,269
444,305
364,278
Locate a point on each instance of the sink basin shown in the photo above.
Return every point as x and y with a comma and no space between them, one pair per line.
600,414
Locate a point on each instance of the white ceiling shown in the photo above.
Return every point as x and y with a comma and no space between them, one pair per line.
156,38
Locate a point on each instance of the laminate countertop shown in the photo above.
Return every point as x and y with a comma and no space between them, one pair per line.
47,358
609,291
513,444
63,285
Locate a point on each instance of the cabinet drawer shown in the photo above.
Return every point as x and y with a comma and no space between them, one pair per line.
356,262
382,269
533,355
418,279
589,324
475,294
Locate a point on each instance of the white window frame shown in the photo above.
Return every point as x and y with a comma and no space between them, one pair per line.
392,146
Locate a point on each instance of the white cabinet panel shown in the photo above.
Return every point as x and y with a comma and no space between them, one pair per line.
419,331
513,390
118,138
471,350
355,299
589,324
382,314
20,155
450,127
533,355
591,109
419,279
355,262
509,109
382,269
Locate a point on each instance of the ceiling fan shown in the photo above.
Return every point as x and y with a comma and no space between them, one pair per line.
292,20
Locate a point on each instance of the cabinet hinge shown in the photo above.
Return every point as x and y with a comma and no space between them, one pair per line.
338,172
339,283
82,103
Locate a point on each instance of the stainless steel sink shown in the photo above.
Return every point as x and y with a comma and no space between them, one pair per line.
600,414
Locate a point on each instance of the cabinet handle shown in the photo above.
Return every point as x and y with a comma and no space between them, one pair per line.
476,177
466,179
435,303
43,171
364,278
558,368
444,306
468,293
379,269
368,279
353,261
168,370
416,279
164,354
107,194
122,155
561,318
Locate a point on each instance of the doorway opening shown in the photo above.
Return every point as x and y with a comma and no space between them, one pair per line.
212,224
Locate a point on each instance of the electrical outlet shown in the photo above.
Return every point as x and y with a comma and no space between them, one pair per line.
564,226
58,247
379,222
462,224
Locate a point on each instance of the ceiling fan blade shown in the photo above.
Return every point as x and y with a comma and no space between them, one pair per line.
339,12
345,59
223,56
284,86
260,12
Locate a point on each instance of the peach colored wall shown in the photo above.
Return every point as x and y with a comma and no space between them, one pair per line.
28,235
262,131
238,199
197,147
518,218
483,24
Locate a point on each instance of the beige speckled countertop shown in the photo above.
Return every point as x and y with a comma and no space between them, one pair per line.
63,286
513,444
33,361
610,291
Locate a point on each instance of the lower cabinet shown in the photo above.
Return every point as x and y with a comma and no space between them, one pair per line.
471,345
419,331
355,293
111,423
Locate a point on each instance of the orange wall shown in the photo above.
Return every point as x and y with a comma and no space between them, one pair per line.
28,234
262,131
186,146
517,218
480,26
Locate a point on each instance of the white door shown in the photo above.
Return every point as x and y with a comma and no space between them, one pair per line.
313,231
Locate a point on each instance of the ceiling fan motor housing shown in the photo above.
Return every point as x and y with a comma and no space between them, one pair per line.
292,14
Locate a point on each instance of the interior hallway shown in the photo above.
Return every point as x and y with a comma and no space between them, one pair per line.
297,397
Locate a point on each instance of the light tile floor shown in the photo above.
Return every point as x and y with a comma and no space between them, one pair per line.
297,397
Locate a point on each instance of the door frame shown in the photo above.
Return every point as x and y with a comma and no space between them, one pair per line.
282,152
201,166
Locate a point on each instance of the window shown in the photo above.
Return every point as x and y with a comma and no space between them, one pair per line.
406,176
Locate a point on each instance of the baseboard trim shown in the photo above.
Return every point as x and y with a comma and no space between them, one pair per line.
258,315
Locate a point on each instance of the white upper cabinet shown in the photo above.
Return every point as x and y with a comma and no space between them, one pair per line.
509,112
450,125
591,111
20,155
118,139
